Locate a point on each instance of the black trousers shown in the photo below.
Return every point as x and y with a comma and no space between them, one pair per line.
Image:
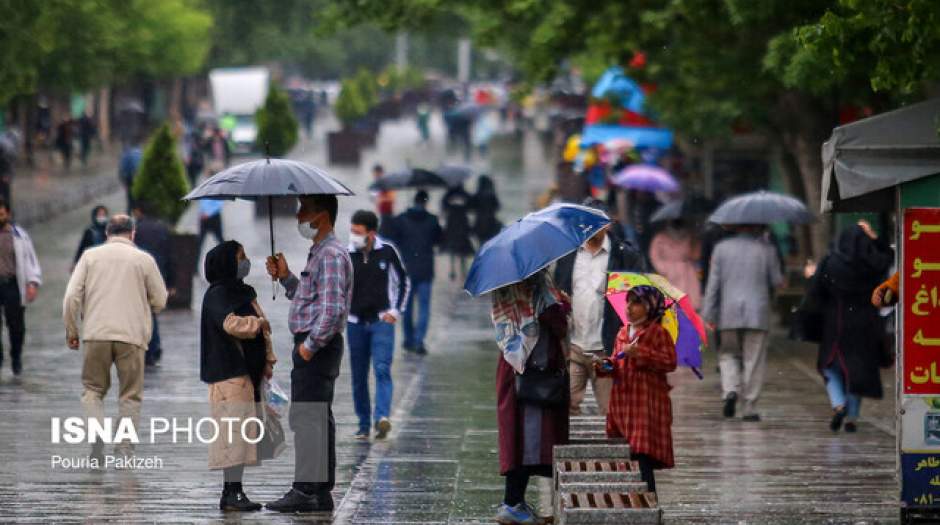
517,481
646,470
312,385
209,225
14,312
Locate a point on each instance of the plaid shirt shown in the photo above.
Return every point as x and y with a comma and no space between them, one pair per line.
320,297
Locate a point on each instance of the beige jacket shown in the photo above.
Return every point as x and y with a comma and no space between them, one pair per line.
247,327
112,294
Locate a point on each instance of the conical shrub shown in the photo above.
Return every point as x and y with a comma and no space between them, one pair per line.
277,126
161,180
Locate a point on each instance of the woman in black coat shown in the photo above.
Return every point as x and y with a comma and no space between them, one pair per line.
853,334
94,235
456,206
235,355
486,205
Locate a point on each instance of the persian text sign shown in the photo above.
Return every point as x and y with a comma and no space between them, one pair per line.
920,294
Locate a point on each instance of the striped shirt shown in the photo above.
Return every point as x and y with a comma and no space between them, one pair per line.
321,296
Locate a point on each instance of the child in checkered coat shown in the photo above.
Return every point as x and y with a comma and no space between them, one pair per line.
640,409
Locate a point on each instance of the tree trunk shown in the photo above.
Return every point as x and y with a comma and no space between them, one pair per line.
807,154
104,116
175,109
804,124
791,171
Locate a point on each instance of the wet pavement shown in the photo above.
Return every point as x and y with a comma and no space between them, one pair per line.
439,465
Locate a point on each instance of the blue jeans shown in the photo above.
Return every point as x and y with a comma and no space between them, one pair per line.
839,394
375,341
414,334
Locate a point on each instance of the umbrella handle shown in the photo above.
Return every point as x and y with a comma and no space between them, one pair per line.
271,233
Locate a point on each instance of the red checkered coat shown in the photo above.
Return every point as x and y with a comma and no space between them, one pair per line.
640,409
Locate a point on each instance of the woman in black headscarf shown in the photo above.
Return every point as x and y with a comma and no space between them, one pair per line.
485,204
235,355
853,334
456,206
94,235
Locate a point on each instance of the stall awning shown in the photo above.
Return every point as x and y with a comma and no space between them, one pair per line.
659,138
880,152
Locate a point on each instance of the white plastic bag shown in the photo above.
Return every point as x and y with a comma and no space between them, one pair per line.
275,398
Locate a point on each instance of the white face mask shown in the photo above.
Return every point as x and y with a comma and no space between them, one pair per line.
307,231
358,241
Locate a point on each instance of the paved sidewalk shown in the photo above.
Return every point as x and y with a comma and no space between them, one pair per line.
440,463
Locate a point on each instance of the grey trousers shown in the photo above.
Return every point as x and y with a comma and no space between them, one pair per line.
743,361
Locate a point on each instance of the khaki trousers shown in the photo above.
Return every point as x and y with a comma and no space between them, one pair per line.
96,378
743,349
581,370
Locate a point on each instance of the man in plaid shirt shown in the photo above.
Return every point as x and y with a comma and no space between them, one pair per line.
320,299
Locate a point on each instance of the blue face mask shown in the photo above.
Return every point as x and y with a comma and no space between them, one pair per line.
244,267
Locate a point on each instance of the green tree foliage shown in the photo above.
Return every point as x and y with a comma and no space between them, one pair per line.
294,33
782,68
66,45
350,105
161,181
894,44
277,126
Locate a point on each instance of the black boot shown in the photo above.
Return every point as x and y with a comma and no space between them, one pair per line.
233,499
837,417
97,455
730,401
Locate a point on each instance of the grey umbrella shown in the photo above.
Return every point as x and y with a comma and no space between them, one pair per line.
268,178
761,207
410,178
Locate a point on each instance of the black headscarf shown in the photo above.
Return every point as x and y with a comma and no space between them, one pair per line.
222,273
220,356
857,263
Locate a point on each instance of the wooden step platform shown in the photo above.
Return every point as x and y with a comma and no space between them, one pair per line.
582,508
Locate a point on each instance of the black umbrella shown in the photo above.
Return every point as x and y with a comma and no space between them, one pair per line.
268,178
454,175
761,207
688,207
410,178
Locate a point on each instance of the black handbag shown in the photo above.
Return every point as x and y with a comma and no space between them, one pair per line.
540,385
806,325
807,319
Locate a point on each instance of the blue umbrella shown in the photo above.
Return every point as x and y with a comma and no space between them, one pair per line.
530,244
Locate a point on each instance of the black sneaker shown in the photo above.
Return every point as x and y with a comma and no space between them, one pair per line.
297,501
408,348
237,501
752,418
17,367
730,401
421,350
837,417
850,427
